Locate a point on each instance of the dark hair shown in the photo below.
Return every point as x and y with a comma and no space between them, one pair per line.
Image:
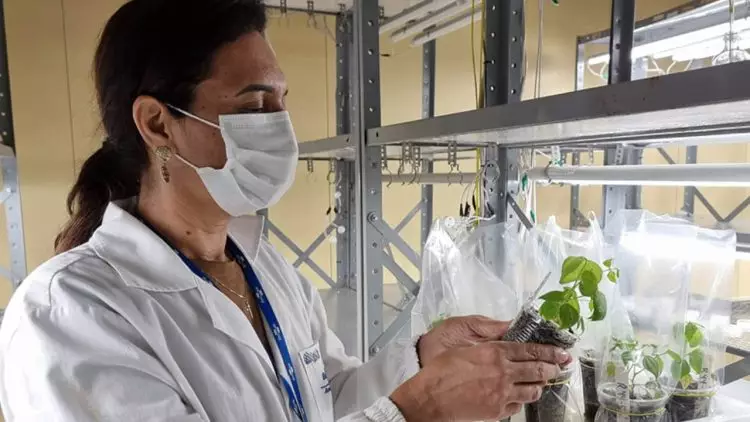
161,48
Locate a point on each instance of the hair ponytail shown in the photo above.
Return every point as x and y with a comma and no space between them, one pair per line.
102,179
159,48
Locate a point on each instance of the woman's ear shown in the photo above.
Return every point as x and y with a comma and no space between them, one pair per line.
154,122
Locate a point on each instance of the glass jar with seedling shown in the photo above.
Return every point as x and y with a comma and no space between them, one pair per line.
693,370
558,320
632,386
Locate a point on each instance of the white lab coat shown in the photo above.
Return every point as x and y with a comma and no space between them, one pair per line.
120,329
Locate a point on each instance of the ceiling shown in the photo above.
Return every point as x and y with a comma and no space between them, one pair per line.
391,6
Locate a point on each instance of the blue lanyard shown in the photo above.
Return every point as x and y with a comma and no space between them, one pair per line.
292,386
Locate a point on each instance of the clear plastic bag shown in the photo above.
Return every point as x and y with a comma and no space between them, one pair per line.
546,250
648,354
468,271
707,320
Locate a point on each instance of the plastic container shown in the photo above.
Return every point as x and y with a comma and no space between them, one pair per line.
689,404
588,377
553,405
615,409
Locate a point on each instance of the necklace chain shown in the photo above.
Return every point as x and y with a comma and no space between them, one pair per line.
247,306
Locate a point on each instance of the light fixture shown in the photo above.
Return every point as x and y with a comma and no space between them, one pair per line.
721,175
447,27
413,13
679,41
431,19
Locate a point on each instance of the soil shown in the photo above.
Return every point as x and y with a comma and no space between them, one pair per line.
691,403
553,405
588,376
529,327
616,406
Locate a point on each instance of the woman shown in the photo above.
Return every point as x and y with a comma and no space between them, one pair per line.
166,304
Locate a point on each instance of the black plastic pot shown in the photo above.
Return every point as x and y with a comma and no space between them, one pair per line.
688,404
553,405
588,378
616,409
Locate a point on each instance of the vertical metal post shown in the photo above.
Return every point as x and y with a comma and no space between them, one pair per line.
366,115
575,190
344,169
428,111
504,38
688,199
620,70
580,66
575,194
12,204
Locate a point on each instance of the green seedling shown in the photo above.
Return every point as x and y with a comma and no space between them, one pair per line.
580,277
637,359
687,367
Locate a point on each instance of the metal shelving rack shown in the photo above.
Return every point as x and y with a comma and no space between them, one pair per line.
10,196
624,113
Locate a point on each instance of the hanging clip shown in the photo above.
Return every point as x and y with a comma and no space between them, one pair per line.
416,163
331,171
311,21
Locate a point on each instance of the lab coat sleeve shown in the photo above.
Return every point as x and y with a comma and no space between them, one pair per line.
359,390
82,364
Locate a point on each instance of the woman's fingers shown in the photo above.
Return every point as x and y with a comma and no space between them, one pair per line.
526,393
534,372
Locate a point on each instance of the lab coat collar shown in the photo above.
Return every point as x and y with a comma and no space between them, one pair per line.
144,260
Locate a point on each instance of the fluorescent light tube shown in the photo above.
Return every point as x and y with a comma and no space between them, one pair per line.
447,27
412,13
721,175
684,40
432,19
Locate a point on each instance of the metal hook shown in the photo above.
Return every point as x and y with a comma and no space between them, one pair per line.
331,171
416,155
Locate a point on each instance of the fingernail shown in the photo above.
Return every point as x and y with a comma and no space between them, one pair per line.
562,356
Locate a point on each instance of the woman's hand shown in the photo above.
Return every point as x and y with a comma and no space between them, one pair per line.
487,381
459,332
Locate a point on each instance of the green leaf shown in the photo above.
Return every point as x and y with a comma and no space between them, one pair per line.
591,271
612,276
588,286
571,269
627,357
568,315
674,355
696,360
611,368
554,296
675,368
653,364
599,306
693,334
608,263
680,369
550,310
685,381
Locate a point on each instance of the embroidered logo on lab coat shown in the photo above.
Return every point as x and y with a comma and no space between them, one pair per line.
311,356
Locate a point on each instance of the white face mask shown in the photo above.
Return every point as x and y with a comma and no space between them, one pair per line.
262,155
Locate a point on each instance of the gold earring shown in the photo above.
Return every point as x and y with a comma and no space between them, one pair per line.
164,153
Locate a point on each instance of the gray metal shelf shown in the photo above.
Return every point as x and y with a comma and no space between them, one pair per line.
693,106
340,148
